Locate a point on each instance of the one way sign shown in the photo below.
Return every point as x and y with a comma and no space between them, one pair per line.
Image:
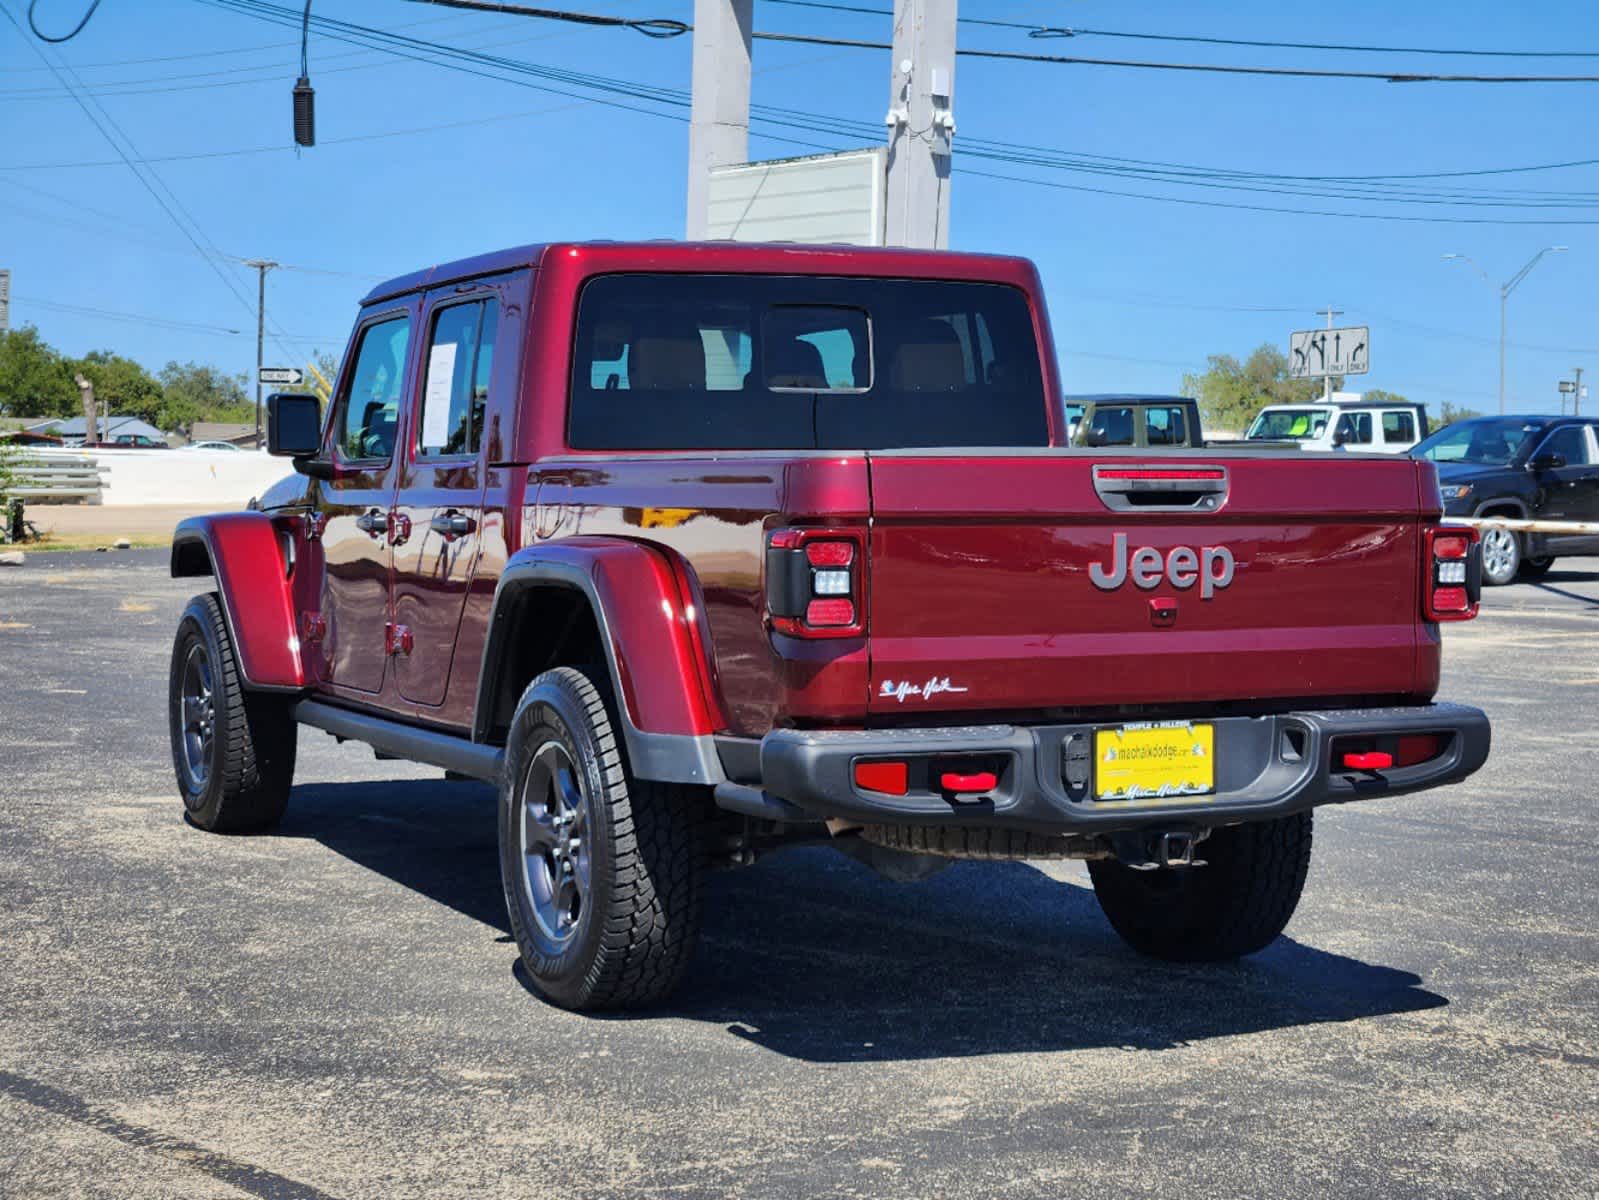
1313,353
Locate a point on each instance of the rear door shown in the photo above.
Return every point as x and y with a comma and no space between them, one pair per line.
439,506
1038,580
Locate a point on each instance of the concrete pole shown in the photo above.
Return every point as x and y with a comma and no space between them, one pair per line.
719,120
262,266
921,125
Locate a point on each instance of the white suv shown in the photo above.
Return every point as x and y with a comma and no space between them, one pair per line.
1340,425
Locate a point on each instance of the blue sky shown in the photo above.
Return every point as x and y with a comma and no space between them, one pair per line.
1139,290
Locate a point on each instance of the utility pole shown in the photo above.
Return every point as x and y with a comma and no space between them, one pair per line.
262,266
921,123
1326,380
719,118
1576,392
1505,289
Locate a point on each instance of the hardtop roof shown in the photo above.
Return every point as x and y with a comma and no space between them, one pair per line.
731,257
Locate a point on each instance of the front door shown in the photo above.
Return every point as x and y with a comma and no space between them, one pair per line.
1571,492
439,506
354,506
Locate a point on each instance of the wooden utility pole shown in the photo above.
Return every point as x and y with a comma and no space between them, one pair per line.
91,412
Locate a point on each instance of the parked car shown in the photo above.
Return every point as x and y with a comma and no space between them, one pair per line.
1542,468
1130,420
225,446
128,441
1341,425
697,551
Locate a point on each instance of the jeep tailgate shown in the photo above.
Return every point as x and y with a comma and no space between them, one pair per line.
981,596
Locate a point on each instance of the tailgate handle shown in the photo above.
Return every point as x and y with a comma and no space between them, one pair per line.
1156,487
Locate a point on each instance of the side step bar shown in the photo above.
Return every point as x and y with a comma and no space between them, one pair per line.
404,741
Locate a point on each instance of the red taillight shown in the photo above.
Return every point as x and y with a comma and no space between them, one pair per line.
1162,473
815,582
892,778
830,554
1452,574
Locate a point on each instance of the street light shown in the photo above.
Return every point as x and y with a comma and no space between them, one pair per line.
1505,289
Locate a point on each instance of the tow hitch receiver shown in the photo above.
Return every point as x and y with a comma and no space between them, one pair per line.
1152,852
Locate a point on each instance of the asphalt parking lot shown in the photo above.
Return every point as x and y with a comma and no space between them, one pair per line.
334,1010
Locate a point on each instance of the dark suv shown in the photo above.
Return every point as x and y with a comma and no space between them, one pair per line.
1542,468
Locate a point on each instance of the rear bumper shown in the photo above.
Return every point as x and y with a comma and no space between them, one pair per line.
1267,766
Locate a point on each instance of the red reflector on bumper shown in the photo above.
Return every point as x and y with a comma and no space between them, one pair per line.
823,613
979,781
890,777
1369,760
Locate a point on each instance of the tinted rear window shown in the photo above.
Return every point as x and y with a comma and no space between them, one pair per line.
744,362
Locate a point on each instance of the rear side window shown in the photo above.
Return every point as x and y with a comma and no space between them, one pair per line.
372,405
1166,426
1398,427
459,363
698,362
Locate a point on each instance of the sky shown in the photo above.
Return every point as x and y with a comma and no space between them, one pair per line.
417,163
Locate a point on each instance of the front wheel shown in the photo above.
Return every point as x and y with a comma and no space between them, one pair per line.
1501,556
602,871
233,750
1234,905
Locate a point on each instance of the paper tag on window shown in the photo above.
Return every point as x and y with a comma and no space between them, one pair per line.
436,403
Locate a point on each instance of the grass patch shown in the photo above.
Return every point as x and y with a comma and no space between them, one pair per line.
52,542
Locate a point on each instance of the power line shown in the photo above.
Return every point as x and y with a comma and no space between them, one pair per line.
168,202
134,318
1040,30
653,27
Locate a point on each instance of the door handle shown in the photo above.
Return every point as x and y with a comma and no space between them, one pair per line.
374,523
452,524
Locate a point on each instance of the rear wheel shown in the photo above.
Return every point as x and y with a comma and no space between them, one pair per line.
602,871
1501,556
1234,905
233,750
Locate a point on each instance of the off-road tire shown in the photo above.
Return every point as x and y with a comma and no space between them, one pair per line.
249,766
646,846
1235,905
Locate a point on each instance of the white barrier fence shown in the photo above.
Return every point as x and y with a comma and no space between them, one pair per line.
41,478
1519,525
219,479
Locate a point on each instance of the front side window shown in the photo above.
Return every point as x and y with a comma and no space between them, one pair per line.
459,365
1109,426
1571,443
1398,427
1354,429
701,362
372,404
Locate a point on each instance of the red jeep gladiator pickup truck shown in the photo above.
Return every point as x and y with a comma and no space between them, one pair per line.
696,551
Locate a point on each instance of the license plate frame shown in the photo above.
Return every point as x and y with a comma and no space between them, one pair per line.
1151,763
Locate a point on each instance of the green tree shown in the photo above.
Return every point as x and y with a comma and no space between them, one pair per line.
35,381
1230,392
123,384
201,392
1448,414
1380,396
328,364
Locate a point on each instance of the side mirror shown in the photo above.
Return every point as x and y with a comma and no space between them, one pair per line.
294,430
1548,462
1340,437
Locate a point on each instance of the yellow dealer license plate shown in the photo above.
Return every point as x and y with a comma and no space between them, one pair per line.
1154,763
